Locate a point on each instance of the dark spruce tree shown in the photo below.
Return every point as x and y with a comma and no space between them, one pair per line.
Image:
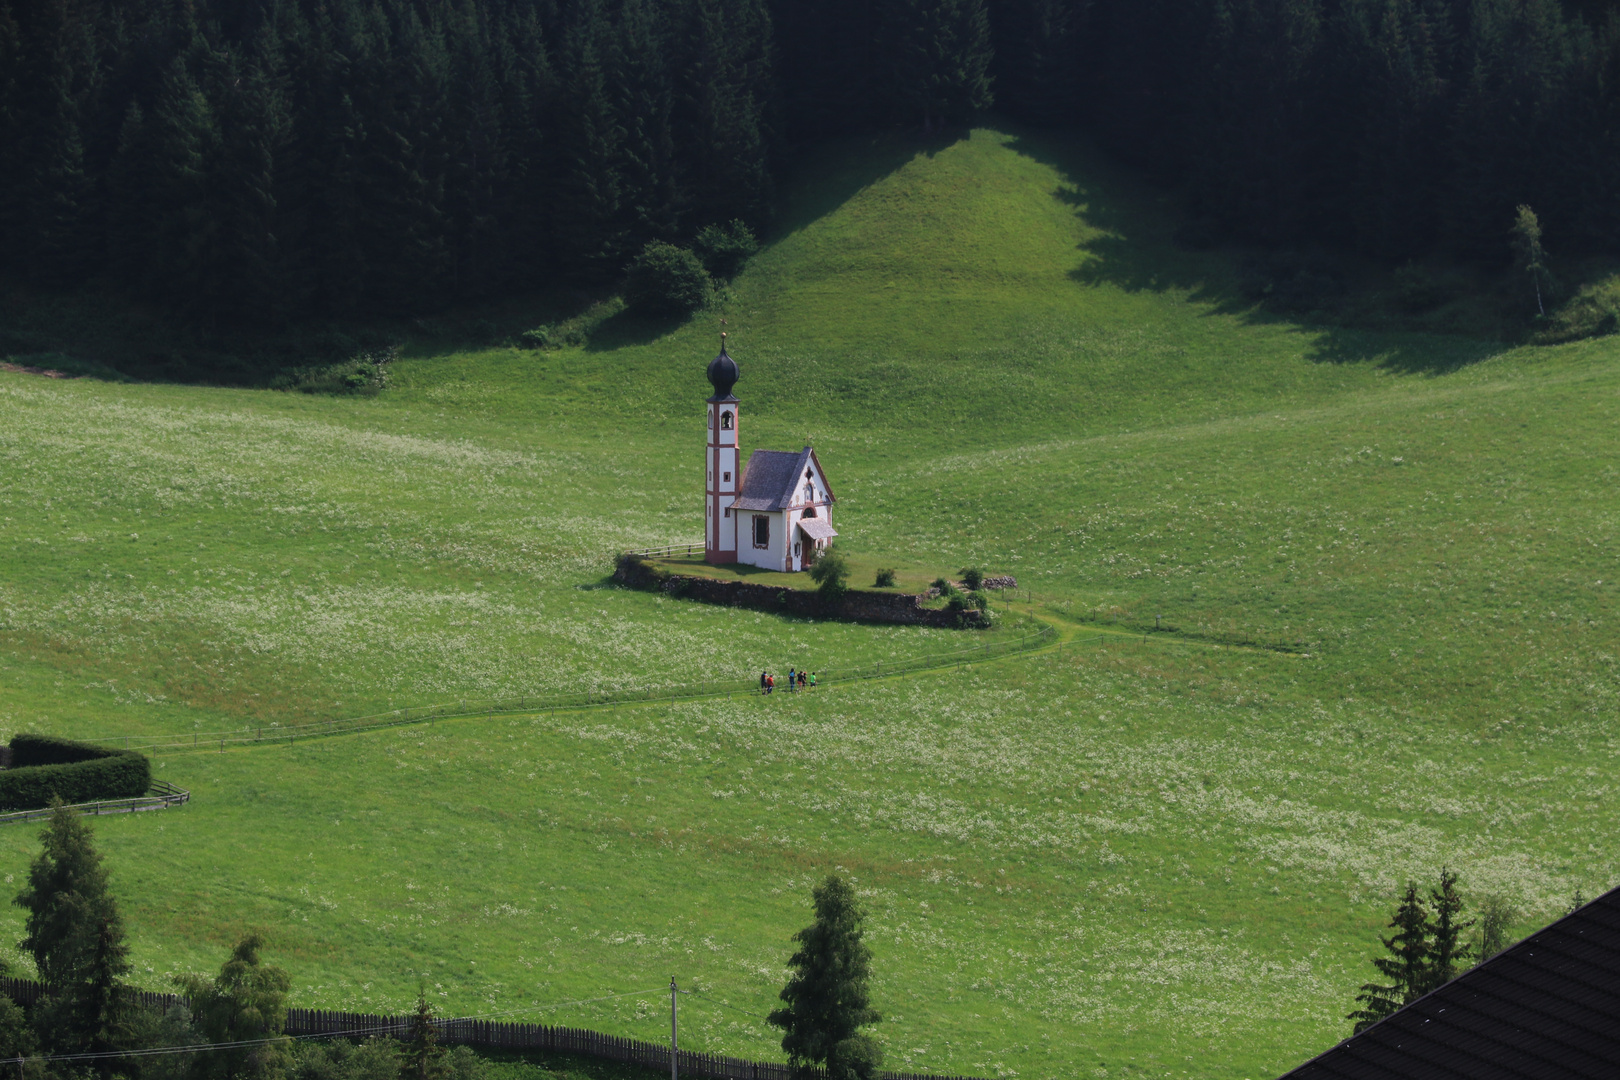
1406,968
644,93
75,937
835,60
1037,65
11,83
1391,99
423,1056
722,89
590,145
529,96
1510,134
1252,130
243,275
942,71
1449,953
180,234
53,213
827,1001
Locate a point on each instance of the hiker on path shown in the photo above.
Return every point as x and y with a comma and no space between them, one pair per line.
770,684
790,678
762,677
812,678
802,681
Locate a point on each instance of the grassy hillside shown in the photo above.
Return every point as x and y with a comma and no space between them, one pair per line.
1386,563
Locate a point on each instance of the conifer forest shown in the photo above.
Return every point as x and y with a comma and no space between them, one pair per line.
251,160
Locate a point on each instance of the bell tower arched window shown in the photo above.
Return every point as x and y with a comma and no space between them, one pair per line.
725,420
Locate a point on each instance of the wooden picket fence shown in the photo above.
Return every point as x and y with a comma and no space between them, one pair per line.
160,796
498,1035
670,551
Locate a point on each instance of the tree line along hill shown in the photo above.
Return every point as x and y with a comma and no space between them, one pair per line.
253,160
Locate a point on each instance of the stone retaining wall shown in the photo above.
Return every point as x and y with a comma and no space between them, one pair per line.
858,605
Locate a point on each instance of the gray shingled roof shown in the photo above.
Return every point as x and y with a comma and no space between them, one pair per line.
769,480
817,528
1546,1007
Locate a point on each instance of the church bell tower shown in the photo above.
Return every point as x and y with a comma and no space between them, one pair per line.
720,524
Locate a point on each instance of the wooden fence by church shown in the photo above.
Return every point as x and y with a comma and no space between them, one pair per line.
480,1034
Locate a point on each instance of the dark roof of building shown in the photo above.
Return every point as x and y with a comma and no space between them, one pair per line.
1546,1007
769,480
772,476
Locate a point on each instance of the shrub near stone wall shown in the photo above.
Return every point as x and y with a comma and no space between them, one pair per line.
858,605
43,766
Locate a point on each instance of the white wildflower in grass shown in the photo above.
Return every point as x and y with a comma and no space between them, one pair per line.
1171,845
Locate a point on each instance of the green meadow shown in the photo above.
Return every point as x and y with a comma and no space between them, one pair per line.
1382,567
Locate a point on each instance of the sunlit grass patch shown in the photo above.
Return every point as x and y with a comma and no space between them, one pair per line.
1359,591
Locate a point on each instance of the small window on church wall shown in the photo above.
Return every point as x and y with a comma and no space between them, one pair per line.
795,550
762,531
728,478
809,511
728,511
725,420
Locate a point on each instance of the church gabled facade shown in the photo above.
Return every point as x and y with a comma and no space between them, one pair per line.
776,511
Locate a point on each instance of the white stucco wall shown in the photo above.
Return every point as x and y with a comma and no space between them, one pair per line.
770,558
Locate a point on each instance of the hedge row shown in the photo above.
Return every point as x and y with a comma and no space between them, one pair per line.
42,766
49,750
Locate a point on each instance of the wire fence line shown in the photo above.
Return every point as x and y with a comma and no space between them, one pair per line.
475,1032
290,734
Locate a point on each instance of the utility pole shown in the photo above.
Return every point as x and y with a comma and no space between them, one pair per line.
672,992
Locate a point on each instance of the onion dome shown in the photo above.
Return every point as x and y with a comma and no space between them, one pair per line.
722,373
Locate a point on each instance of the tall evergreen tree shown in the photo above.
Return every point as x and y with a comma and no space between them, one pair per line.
530,102
589,190
243,274
1406,968
1141,63
645,98
54,208
1251,134
11,66
1393,56
1518,63
423,1056
943,68
835,65
1036,66
827,998
74,935
1448,952
477,177
722,90
183,141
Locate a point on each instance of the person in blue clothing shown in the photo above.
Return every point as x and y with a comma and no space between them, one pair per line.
790,679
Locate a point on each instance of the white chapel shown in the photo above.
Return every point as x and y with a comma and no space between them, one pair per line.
777,512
